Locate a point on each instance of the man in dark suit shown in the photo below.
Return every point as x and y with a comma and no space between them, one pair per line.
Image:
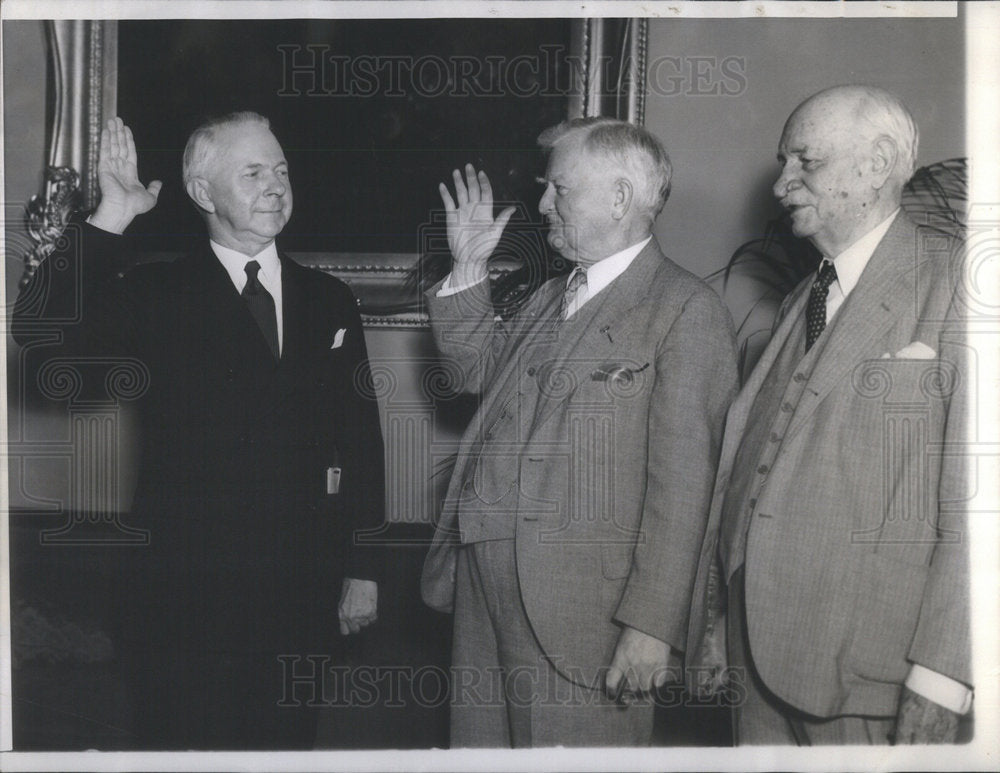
582,484
838,515
261,456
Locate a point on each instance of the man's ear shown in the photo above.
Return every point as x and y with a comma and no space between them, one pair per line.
622,201
197,189
885,155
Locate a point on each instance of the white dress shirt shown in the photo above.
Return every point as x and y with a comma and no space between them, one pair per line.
850,264
269,275
599,275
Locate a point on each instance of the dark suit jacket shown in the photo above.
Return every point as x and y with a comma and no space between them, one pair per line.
246,548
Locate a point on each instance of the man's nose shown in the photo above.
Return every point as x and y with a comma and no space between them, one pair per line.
276,186
786,182
545,204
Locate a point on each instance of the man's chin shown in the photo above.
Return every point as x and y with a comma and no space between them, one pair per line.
801,226
271,227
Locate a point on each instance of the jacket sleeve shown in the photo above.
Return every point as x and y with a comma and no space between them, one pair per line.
361,447
942,639
469,336
696,379
78,298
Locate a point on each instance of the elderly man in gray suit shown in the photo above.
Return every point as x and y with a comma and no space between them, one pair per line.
837,521
570,530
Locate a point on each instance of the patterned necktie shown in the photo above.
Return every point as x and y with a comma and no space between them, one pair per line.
577,281
261,305
816,310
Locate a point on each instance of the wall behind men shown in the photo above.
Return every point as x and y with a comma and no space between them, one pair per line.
720,91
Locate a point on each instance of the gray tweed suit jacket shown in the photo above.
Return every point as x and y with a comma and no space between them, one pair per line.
616,465
856,555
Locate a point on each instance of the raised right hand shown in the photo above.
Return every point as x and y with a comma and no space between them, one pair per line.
473,232
122,195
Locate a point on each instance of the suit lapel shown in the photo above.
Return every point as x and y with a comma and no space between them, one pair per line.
877,302
739,412
229,326
298,314
584,343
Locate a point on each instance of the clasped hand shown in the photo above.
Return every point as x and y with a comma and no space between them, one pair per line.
639,664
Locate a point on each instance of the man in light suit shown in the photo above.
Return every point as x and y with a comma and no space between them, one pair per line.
837,518
570,528
261,459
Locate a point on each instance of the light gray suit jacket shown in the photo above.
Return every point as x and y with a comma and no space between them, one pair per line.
615,473
856,557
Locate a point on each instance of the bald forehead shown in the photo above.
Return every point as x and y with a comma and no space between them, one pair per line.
238,143
829,118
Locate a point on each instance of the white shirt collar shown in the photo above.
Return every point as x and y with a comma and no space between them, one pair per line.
851,262
235,264
604,272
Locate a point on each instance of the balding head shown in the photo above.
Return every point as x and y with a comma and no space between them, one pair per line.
846,154
872,113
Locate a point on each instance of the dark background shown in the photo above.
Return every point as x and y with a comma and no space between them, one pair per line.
364,168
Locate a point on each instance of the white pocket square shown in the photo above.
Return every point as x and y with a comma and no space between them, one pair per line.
338,338
914,351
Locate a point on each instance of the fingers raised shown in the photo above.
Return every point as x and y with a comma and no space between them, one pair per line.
446,199
472,181
461,192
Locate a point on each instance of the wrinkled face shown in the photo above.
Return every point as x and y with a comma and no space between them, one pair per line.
247,182
577,201
826,180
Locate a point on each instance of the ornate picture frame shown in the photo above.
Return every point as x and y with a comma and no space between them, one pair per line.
608,78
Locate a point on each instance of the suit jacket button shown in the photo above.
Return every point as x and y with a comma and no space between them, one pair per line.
799,377
763,469
786,407
531,371
775,437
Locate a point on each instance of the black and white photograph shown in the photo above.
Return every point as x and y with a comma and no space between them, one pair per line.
502,386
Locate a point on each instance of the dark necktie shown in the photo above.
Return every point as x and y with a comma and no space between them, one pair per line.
577,281
816,310
261,305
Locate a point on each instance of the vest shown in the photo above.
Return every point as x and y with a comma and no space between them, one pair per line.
490,490
767,423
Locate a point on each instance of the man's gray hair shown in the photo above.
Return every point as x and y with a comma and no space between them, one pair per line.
201,144
884,114
640,155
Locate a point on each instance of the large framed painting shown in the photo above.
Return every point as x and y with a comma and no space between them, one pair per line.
372,114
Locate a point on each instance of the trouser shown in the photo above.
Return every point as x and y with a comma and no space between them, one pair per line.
763,718
505,691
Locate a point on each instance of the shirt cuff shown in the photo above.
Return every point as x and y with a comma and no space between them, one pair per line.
446,289
106,227
940,689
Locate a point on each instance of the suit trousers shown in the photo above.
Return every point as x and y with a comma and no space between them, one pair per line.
505,690
762,718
